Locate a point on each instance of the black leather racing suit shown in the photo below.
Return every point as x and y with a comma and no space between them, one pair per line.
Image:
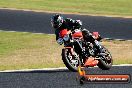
71,24
68,24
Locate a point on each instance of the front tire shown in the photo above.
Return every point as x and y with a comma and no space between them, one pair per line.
67,61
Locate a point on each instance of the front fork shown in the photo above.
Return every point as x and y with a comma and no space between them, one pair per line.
71,50
82,53
74,57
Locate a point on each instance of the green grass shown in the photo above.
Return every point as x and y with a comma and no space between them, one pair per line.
27,50
17,40
121,51
99,7
32,51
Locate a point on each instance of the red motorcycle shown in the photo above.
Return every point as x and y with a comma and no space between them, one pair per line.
78,52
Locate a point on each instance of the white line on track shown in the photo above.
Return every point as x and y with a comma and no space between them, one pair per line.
52,69
43,69
54,34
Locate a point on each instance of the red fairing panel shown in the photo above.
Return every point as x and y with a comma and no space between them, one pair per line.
63,33
77,34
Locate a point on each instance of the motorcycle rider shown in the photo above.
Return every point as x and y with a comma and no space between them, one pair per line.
58,23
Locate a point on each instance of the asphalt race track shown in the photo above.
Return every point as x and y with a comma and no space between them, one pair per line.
39,22
28,21
59,79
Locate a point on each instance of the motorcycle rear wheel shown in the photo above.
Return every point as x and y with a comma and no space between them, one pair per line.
105,64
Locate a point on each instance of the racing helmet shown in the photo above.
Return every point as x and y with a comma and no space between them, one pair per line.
56,21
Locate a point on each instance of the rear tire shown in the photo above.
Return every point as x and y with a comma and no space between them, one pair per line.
107,63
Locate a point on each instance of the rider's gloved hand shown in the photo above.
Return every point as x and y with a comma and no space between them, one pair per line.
66,37
60,41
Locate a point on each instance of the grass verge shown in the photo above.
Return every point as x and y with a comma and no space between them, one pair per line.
27,50
31,51
103,7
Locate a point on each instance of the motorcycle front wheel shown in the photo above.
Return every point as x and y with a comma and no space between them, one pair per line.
70,62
